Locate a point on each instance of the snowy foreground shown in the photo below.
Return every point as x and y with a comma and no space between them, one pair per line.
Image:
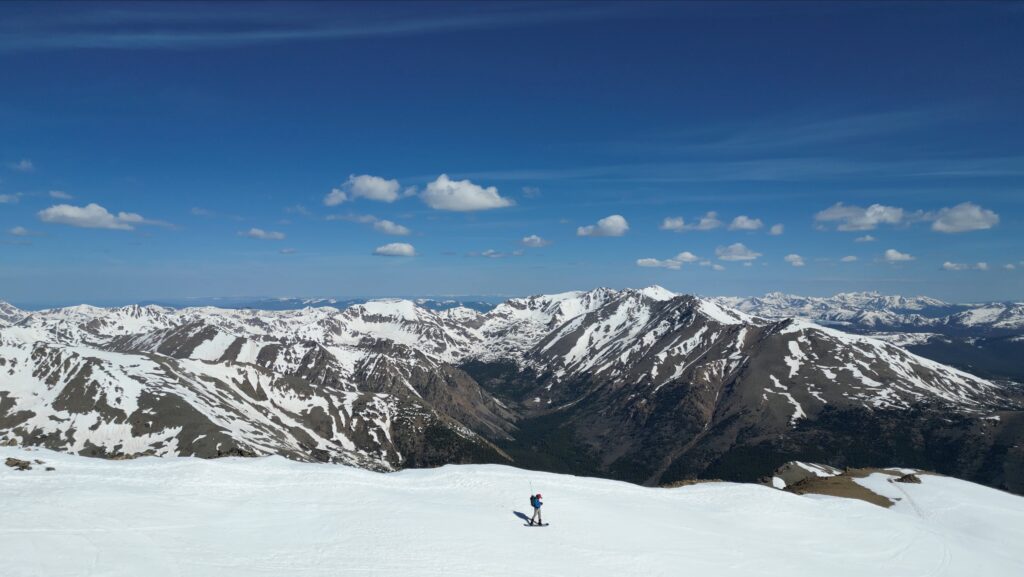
270,516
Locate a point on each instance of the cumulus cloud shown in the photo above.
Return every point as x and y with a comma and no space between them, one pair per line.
865,238
262,234
9,198
614,225
893,255
743,222
737,251
60,195
287,251
717,267
964,266
388,227
462,196
335,197
850,258
19,231
23,165
964,217
677,224
776,229
1010,266
534,241
674,263
395,249
93,216
794,259
853,218
365,186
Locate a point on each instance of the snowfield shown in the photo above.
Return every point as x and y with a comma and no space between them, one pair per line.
274,517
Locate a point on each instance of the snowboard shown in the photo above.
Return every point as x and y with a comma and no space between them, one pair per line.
529,525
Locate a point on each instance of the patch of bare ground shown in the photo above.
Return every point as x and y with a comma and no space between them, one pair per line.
688,482
845,486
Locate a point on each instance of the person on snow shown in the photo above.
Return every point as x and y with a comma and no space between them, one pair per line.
536,503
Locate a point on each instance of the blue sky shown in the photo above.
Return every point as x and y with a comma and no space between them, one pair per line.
221,130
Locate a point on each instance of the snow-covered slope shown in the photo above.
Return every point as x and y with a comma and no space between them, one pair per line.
383,384
270,516
10,314
873,311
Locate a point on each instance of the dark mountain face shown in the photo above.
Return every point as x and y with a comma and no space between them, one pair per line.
641,385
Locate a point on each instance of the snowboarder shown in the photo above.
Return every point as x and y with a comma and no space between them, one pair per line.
536,503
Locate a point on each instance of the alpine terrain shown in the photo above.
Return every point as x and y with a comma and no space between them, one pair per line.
640,385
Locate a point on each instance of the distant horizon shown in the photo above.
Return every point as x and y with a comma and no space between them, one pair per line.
245,301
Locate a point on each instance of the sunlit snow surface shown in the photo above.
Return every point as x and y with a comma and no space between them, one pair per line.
273,517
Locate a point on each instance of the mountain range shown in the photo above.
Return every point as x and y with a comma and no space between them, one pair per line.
642,385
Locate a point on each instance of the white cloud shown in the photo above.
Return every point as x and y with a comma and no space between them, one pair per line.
395,249
893,255
335,197
60,194
491,253
93,216
372,187
531,191
19,231
534,241
462,196
850,258
964,217
262,234
794,259
1010,266
964,266
196,211
674,263
388,227
379,224
852,218
865,238
287,251
614,225
743,222
776,229
707,222
736,251
369,187
23,165
653,262
9,198
717,267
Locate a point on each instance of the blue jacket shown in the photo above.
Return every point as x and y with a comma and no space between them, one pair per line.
535,502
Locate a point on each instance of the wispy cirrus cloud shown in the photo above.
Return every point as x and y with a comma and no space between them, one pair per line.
158,27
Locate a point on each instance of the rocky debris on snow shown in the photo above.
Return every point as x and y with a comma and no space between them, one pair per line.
18,464
908,478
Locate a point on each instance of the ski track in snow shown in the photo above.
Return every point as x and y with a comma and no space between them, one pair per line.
272,517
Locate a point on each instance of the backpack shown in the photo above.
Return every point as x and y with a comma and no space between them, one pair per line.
533,501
